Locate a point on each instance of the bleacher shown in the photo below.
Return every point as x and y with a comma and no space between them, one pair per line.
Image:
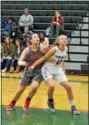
75,17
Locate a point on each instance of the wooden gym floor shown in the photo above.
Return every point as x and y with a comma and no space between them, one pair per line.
39,113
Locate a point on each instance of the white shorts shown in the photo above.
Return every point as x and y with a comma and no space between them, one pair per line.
58,75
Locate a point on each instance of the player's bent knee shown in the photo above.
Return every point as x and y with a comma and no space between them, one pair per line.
51,86
68,87
34,89
35,86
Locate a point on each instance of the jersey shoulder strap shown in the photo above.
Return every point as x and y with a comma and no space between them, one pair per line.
56,48
66,49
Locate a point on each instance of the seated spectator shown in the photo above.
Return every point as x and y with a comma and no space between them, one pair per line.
57,24
15,33
7,27
27,33
26,20
48,31
44,42
19,50
8,54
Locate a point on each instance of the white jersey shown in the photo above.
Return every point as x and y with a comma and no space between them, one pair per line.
52,69
57,58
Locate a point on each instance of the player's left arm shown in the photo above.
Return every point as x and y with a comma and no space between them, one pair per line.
44,58
63,67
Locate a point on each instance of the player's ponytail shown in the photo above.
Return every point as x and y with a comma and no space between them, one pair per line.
56,41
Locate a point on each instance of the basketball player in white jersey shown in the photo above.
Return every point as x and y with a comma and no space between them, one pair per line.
53,70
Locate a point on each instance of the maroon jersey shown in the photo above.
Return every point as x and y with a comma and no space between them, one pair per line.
31,58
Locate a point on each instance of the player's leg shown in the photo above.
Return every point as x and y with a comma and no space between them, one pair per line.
69,91
33,88
51,86
62,79
11,105
24,81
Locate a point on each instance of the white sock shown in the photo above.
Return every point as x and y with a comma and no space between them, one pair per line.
72,103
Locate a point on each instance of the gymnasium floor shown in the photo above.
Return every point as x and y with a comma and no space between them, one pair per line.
39,114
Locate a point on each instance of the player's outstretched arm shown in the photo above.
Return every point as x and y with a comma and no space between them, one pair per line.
44,58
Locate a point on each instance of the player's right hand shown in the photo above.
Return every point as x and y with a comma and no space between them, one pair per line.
31,67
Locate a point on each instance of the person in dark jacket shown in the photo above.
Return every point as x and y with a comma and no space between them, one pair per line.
15,33
7,27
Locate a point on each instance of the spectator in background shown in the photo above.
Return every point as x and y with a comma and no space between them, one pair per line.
44,42
57,24
15,33
27,33
7,27
19,50
8,54
26,20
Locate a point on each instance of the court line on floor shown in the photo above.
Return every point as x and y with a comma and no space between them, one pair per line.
6,96
81,110
26,93
15,77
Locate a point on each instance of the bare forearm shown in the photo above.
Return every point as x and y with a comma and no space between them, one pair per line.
41,60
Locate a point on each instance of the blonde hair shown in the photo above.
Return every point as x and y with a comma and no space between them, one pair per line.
26,28
57,40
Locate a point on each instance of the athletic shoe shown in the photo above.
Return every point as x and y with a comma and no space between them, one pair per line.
10,107
51,106
74,111
26,105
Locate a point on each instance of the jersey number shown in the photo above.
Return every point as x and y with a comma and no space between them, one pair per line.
58,62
